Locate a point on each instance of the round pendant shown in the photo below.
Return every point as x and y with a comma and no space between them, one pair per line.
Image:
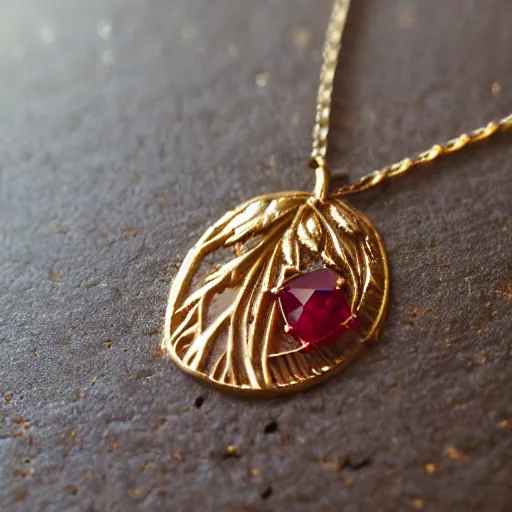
277,295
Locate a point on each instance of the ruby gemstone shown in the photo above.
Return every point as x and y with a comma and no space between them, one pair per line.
316,309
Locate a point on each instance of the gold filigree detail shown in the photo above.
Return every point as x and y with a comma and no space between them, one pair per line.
239,344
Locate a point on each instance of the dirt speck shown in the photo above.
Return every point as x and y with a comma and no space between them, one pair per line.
430,468
417,504
143,374
20,494
136,493
504,290
231,452
454,453
496,88
21,421
505,424
301,38
266,493
55,276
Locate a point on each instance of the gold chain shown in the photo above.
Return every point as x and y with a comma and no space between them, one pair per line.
437,150
331,51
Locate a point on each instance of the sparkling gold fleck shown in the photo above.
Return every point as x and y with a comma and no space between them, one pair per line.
417,503
231,449
484,357
8,398
20,421
334,464
487,305
505,424
254,472
454,453
301,37
136,493
93,381
36,352
177,455
430,468
479,332
496,88
262,79
55,276
505,290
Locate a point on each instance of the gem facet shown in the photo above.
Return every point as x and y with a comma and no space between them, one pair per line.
316,309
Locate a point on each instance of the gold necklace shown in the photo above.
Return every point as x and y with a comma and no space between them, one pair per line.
307,286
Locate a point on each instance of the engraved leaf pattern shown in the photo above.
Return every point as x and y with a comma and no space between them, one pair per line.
273,237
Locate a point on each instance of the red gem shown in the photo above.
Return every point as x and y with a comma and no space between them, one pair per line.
316,309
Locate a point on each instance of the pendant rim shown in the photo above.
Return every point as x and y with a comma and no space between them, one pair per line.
321,374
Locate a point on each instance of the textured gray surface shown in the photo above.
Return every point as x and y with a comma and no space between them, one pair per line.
119,146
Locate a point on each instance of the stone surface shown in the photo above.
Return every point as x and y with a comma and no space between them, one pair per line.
125,128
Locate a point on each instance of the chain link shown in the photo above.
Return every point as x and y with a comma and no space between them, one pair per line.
437,150
331,51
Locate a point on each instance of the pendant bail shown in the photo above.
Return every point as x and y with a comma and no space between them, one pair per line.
322,177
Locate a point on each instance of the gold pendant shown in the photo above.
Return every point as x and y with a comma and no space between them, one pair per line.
241,318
